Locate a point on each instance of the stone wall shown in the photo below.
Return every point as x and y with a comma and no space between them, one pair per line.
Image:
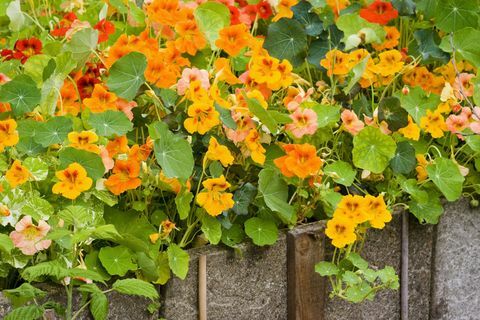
253,283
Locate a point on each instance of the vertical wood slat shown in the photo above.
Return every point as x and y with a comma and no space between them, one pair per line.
202,287
306,288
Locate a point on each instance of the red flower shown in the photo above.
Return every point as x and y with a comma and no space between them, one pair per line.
264,9
7,54
105,28
242,3
26,48
85,86
379,12
234,15
64,25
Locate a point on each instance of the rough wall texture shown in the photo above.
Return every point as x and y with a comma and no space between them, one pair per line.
456,290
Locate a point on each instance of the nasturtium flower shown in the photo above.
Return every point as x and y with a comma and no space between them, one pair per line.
117,145
411,131
172,184
8,133
305,122
84,140
224,71
214,199
17,174
26,48
166,227
202,117
351,123
336,62
337,5
68,102
391,39
30,238
342,231
73,181
189,38
353,207
378,211
217,152
433,123
379,12
105,29
300,161
101,100
192,74
64,25
254,146
165,12
391,62
124,177
284,9
421,168
233,39
463,87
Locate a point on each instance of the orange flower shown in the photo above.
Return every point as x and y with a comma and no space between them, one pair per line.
173,184
284,9
73,181
214,199
301,160
338,5
233,39
421,168
84,140
336,62
217,152
257,151
8,133
68,101
189,39
224,71
124,177
101,100
117,146
391,39
140,153
391,62
202,117
164,12
17,174
379,12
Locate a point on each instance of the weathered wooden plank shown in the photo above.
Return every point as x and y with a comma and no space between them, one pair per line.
306,288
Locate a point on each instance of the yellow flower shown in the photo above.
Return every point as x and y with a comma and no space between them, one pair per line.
379,212
353,208
341,230
84,140
411,131
390,62
8,133
17,174
284,9
73,181
391,39
214,199
433,123
217,152
224,71
257,152
421,168
202,117
336,62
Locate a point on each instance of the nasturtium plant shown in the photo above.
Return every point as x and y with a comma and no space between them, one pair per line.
131,133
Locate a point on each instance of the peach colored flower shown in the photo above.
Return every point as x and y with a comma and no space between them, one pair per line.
304,122
463,85
192,74
292,101
351,123
457,123
108,162
29,237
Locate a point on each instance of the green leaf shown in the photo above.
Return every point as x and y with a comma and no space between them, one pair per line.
6,244
352,24
388,277
357,72
211,17
178,260
136,287
357,261
473,142
35,66
411,187
87,274
286,39
163,268
127,75
182,202
15,15
22,294
325,268
453,15
22,94
117,260
428,211
51,268
37,167
82,44
341,172
358,293
89,160
53,131
226,117
212,229
173,153
390,111
233,236
446,175
404,7
404,160
303,13
426,45
99,305
262,232
326,115
110,123
417,102
31,312
275,194
372,150
38,208
261,113
350,278
243,197
466,45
